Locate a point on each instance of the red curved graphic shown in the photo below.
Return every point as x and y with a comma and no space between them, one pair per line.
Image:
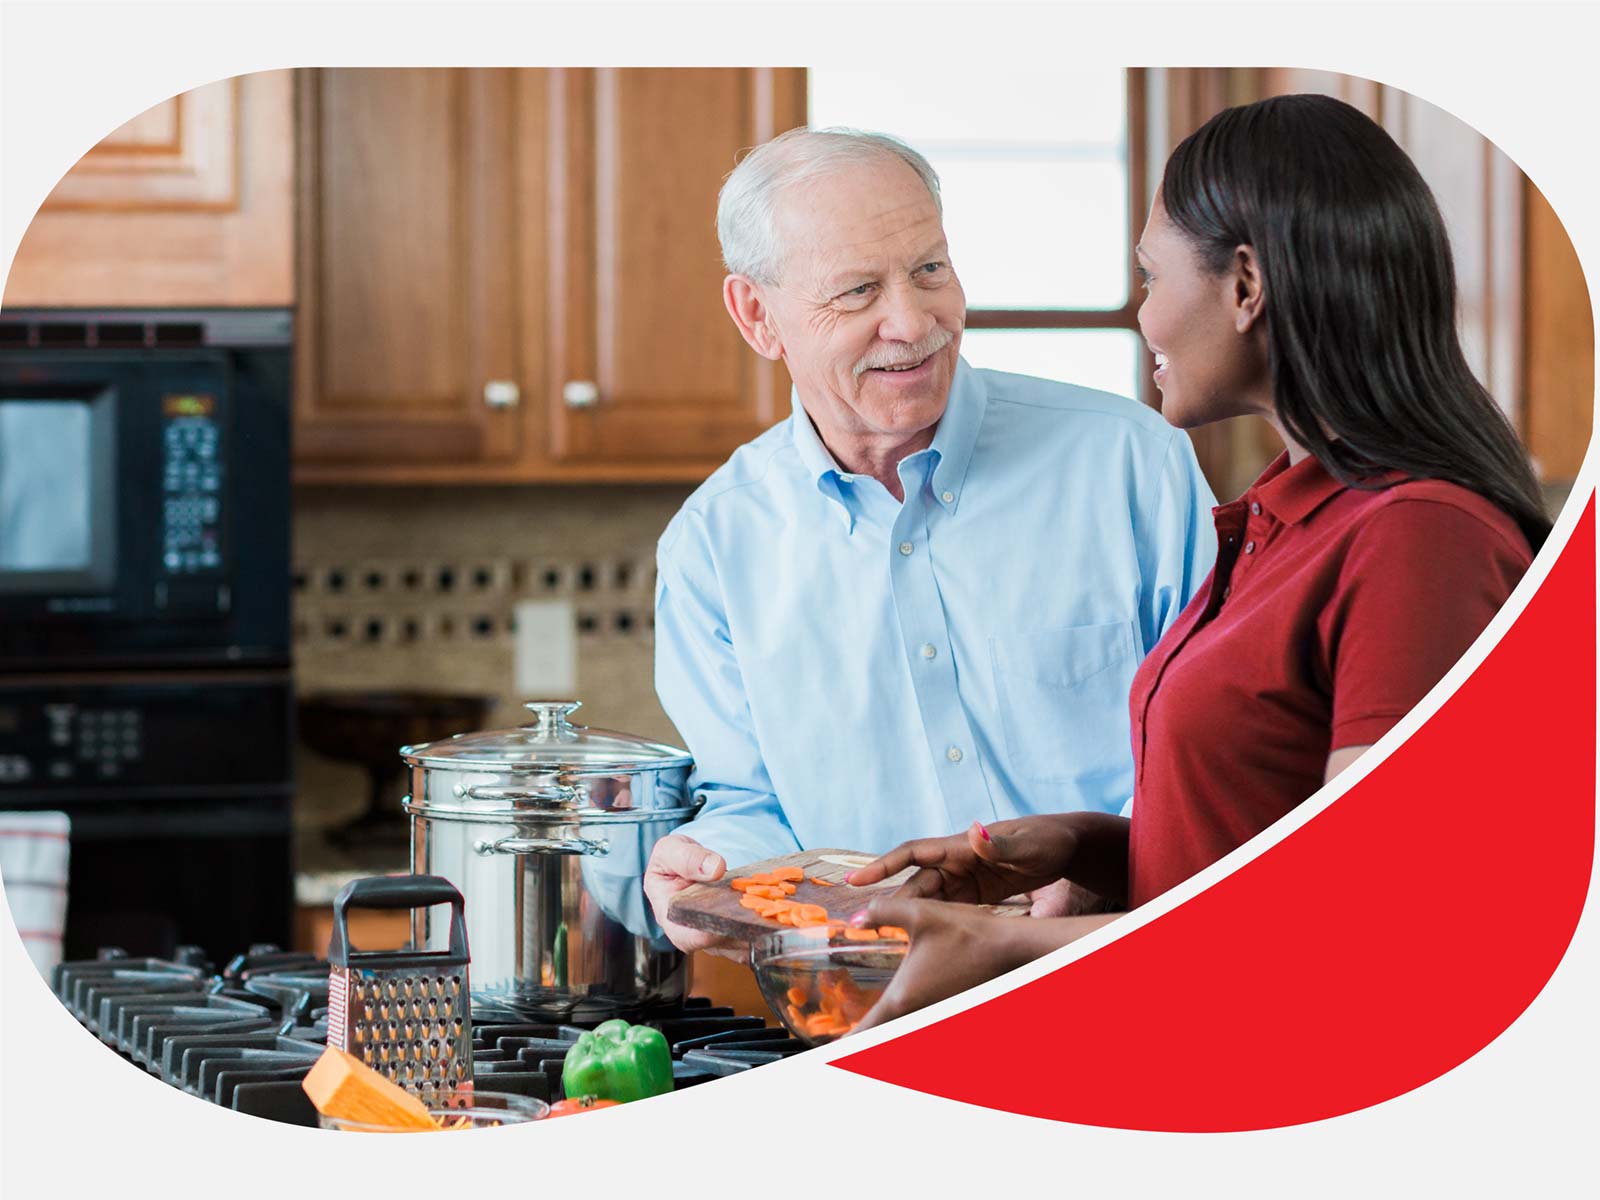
1382,944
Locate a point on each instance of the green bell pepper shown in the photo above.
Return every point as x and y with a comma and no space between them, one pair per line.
618,1061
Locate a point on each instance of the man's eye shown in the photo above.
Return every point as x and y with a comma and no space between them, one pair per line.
931,268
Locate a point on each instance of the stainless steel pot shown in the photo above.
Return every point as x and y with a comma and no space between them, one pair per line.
546,829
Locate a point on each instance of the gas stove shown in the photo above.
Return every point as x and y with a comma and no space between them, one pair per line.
245,1036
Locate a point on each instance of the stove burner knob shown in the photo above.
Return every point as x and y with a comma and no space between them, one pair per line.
258,949
110,953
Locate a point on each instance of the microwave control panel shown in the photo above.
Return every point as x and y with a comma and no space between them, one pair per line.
191,485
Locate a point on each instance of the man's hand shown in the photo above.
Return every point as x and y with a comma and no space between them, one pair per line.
1063,898
675,863
984,865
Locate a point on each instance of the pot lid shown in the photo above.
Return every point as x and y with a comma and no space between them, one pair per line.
549,742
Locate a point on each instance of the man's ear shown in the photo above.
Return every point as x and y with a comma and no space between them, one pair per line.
749,311
1249,289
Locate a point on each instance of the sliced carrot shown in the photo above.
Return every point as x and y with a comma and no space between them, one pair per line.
820,882
794,873
861,935
893,932
814,911
755,902
797,995
787,888
763,877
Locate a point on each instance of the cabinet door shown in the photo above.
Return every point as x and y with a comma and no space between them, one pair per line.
410,270
188,204
647,368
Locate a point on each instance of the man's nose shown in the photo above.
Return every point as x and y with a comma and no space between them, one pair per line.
906,316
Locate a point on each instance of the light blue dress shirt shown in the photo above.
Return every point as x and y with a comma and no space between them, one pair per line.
850,671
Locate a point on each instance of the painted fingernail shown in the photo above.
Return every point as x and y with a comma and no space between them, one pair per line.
858,918
984,832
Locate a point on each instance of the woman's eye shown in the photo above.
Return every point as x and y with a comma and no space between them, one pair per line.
1145,279
859,291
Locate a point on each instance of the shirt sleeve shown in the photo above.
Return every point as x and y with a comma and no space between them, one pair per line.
1179,547
702,690
1419,584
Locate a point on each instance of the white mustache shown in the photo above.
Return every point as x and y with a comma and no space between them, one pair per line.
905,356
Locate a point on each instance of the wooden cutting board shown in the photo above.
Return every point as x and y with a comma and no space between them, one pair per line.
716,908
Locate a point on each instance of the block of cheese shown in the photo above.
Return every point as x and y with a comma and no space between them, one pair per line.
341,1085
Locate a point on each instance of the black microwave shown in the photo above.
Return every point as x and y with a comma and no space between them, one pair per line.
144,488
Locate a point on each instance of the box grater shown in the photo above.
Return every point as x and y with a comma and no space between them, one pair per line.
405,1013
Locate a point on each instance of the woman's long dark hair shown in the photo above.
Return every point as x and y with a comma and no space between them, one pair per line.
1367,370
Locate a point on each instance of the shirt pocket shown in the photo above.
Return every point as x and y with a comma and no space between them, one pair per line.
1063,700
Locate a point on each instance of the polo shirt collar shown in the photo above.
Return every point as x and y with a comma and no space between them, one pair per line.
1293,493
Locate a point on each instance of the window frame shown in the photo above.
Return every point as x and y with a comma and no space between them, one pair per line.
1127,317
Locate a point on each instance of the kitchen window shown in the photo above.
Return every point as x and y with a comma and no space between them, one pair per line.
1042,177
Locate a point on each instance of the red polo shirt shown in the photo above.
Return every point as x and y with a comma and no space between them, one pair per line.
1330,613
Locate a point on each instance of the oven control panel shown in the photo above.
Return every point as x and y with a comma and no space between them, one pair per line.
92,743
191,540
204,732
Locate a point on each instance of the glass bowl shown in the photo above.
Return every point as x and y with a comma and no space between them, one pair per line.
459,1110
821,982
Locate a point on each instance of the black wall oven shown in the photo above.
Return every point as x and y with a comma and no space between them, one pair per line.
145,683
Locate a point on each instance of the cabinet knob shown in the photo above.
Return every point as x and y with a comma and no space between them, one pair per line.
580,393
502,393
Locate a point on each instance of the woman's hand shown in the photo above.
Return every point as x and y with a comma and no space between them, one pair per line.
984,865
955,947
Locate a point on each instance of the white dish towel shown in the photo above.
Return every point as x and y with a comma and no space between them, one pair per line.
33,867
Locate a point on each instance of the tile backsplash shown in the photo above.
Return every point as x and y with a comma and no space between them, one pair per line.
416,589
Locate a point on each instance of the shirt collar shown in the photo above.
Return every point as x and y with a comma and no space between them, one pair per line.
1293,493
952,446
957,434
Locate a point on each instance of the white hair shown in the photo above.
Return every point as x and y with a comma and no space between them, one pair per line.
747,223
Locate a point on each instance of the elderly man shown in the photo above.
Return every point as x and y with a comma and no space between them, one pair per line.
919,601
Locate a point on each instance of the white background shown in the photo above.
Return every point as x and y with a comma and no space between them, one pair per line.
1517,1120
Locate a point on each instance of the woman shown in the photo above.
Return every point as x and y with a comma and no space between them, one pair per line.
1296,267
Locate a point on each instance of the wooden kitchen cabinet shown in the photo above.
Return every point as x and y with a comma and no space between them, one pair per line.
189,204
513,275
648,369
409,265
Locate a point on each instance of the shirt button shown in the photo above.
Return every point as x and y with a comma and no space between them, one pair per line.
1226,592
1255,510
905,547
1249,547
928,650
847,478
948,497
953,754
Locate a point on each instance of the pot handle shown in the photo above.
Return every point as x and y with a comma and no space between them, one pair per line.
538,845
562,794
